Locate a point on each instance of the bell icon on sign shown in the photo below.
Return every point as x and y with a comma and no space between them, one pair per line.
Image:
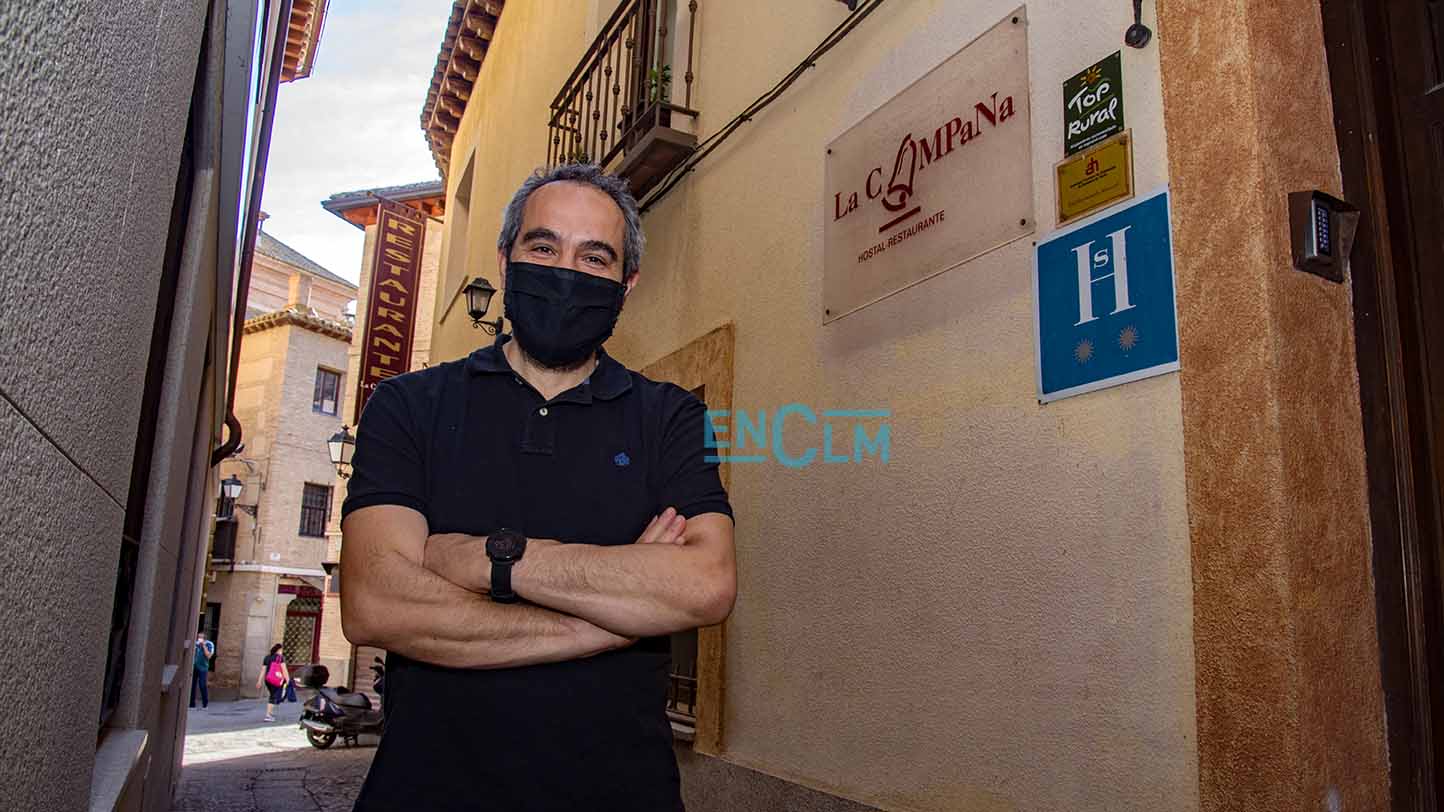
896,198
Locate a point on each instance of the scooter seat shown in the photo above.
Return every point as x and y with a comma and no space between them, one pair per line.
352,699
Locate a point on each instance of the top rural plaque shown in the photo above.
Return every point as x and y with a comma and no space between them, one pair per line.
1093,105
936,176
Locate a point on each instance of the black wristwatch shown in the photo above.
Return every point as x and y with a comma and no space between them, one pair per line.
504,547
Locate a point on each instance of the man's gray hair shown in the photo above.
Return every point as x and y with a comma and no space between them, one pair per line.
591,175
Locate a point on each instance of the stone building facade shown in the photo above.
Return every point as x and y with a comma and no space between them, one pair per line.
266,581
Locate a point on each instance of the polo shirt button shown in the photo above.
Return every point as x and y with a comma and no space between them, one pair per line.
542,411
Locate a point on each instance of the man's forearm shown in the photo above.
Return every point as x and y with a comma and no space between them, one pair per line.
633,590
421,615
638,590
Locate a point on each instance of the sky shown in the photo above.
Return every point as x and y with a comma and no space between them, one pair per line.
355,123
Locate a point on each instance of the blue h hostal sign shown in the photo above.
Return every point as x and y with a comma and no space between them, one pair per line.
1104,296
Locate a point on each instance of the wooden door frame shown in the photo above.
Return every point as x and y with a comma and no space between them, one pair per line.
706,362
1367,133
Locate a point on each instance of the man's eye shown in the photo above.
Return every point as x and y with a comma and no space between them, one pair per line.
541,248
596,260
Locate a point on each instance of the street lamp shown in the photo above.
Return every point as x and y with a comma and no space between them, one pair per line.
478,299
342,445
231,487
230,491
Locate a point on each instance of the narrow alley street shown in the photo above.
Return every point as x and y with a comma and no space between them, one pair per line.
234,762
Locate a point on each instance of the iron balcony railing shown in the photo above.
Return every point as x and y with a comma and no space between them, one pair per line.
622,88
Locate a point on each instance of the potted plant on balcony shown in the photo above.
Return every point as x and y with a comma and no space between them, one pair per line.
659,93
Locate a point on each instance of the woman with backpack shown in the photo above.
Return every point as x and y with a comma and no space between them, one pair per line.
275,676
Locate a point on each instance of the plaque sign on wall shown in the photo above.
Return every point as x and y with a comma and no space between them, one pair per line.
1093,105
938,175
1095,178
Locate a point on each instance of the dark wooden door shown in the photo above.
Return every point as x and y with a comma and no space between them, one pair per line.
1386,60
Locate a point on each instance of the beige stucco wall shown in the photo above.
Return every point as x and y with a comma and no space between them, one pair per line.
503,137
1001,616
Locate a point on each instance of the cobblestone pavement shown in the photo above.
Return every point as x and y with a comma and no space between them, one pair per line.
235,762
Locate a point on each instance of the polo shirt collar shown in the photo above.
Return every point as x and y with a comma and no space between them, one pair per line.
609,380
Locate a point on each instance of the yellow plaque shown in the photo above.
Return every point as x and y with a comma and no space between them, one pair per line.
1095,178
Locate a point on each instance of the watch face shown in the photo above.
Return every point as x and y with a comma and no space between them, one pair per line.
505,545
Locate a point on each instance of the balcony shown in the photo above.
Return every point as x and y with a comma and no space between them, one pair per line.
618,108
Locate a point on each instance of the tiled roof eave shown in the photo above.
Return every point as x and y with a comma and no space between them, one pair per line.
469,32
296,318
303,34
367,197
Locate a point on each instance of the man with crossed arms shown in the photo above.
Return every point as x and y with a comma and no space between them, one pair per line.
523,529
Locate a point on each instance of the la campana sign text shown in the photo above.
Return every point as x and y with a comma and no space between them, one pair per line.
898,192
937,175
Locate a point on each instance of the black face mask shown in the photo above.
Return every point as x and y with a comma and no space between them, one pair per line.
559,316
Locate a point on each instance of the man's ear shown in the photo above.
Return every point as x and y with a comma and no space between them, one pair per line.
632,283
501,266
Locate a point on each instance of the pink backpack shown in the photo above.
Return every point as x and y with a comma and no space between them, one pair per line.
274,676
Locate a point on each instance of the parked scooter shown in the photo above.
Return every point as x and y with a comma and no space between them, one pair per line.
339,712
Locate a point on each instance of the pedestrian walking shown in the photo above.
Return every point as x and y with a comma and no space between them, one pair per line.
201,669
274,676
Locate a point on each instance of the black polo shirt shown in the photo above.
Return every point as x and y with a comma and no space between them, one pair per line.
473,447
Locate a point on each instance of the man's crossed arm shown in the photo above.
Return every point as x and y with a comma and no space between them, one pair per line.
681,574
583,599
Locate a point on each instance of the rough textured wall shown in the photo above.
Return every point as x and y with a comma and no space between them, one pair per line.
57,567
1290,711
93,102
999,618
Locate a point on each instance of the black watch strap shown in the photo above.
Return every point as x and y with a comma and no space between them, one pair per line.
501,582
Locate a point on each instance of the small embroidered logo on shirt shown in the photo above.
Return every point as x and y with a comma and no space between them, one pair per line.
622,459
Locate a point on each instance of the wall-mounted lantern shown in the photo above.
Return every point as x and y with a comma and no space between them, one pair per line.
342,445
478,300
231,488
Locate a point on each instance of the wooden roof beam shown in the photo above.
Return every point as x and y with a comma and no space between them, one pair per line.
467,68
471,46
481,25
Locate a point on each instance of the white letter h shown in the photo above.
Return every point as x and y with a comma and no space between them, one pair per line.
1119,274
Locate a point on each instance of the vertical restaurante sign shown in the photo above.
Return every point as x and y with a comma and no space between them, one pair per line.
391,300
939,174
